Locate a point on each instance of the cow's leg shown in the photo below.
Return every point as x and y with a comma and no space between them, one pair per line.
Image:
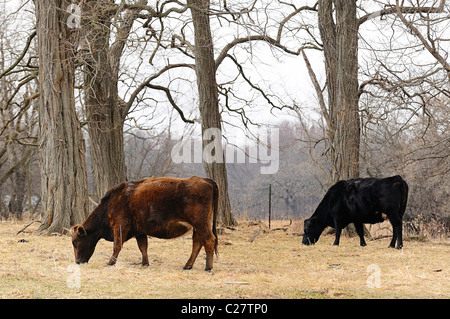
396,233
394,238
209,243
196,246
360,230
400,236
338,236
142,242
116,251
120,235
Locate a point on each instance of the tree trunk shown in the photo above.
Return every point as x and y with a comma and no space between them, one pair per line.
103,108
327,30
340,43
347,135
209,103
18,196
62,162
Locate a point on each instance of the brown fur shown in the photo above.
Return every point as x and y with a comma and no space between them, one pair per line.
162,207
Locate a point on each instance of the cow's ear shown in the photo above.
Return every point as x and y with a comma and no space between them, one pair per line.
79,230
73,230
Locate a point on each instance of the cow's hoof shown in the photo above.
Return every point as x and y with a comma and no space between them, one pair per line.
187,267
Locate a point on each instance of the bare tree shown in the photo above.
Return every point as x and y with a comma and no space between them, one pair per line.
105,110
63,169
339,25
18,114
340,47
205,69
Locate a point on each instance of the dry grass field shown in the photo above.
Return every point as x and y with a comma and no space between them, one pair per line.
274,265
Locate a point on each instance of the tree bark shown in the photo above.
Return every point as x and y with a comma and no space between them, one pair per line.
62,150
327,30
18,195
104,111
209,102
340,42
347,136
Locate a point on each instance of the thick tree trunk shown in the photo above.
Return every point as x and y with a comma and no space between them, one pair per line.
62,150
340,43
347,135
103,108
209,103
105,127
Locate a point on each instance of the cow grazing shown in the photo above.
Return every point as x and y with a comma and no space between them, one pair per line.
359,201
162,207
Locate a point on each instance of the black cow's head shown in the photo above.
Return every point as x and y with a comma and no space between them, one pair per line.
312,231
83,244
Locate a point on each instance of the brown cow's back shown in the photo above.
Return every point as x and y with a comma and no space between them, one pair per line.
166,207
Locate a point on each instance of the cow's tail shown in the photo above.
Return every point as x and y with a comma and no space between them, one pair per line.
215,212
404,190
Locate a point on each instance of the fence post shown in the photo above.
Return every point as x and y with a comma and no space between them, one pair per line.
270,203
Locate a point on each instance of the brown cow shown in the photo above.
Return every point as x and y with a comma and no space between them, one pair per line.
162,207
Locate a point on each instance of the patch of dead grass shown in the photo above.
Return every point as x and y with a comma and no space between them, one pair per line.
274,265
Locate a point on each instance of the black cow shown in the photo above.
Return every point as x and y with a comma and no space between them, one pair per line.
360,201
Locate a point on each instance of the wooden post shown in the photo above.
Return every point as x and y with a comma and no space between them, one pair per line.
270,203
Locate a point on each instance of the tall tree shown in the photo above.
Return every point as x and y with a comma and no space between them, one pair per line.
205,69
62,163
339,26
339,33
105,111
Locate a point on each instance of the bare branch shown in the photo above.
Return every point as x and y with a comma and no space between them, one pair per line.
403,10
267,39
171,100
428,44
24,51
319,92
146,83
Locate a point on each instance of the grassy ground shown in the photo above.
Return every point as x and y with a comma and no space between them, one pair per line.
274,265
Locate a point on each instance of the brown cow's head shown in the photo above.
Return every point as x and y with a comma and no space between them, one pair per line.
83,244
